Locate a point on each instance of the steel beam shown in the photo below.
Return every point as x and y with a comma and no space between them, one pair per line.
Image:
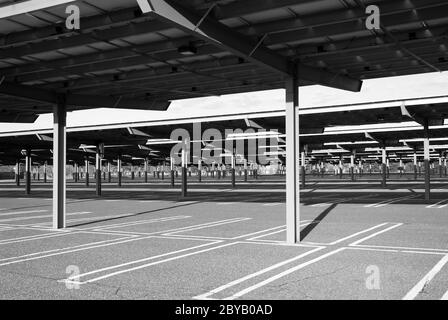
384,167
28,172
18,173
341,167
352,166
76,175
233,178
415,166
109,172
86,171
59,162
29,6
119,170
98,171
172,171
200,169
45,172
426,160
146,170
184,169
303,169
43,95
292,163
223,36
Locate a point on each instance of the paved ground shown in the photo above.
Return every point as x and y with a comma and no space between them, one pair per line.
143,242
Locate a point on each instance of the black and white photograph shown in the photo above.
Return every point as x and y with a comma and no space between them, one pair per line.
223,156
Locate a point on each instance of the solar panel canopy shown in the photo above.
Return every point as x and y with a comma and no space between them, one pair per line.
122,57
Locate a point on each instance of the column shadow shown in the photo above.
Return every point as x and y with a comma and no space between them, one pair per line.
307,230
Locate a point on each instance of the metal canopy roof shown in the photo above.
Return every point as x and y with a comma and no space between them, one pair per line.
123,58
126,138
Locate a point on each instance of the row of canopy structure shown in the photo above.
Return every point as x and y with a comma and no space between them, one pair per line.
150,143
126,57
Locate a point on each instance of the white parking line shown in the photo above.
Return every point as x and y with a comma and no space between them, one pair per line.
35,237
258,232
426,279
438,205
267,234
303,223
445,296
21,212
61,251
405,248
375,234
118,241
137,261
68,280
341,200
139,222
208,226
206,295
282,274
41,217
390,201
169,230
98,219
273,204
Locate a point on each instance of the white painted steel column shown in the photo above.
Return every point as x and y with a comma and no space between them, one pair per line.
59,168
426,160
384,167
292,163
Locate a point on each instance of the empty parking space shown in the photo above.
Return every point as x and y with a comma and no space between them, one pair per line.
165,249
348,269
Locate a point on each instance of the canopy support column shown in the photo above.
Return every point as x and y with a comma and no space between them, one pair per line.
233,169
76,175
45,172
172,171
341,167
119,170
352,166
59,168
18,173
146,170
426,158
98,170
28,171
86,171
444,164
415,166
401,168
184,168
384,168
292,163
109,172
303,169
200,169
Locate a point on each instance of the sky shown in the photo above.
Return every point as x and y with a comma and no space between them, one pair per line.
404,87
